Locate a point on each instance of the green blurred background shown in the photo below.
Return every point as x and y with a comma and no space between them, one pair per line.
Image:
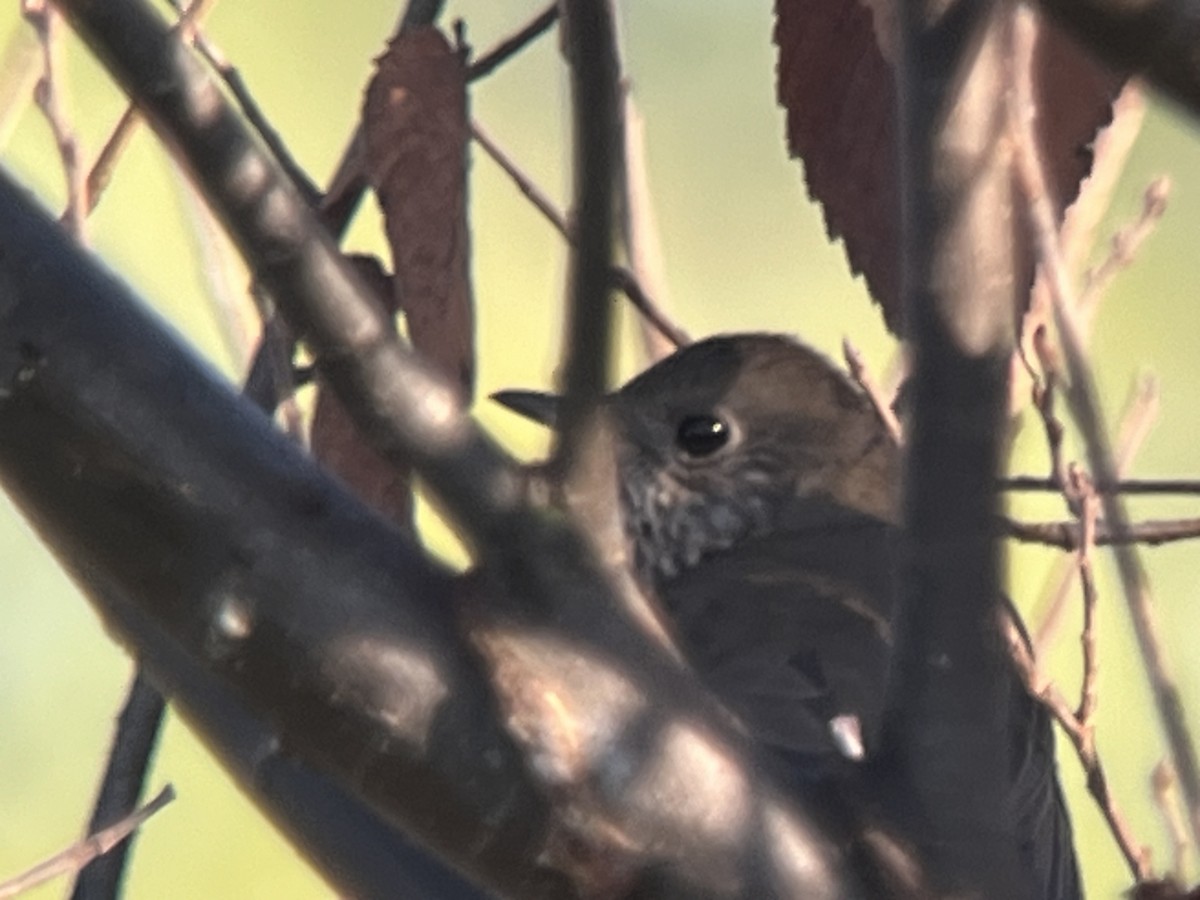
743,248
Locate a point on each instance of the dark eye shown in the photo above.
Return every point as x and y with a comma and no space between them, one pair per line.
700,436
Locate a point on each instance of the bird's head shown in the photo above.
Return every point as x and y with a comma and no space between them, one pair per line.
735,436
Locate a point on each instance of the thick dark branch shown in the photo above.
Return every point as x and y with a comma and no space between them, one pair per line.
202,532
951,699
1156,38
356,849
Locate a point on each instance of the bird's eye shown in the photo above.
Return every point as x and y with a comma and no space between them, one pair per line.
700,436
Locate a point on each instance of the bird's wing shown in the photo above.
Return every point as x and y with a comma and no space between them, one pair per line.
791,630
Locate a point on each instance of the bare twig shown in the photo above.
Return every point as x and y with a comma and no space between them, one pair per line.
1137,856
106,162
1045,390
1164,785
1124,246
535,195
627,282
1089,697
50,93
1086,412
864,379
1141,410
1137,486
642,245
20,67
513,44
621,278
639,229
1083,217
1064,535
80,854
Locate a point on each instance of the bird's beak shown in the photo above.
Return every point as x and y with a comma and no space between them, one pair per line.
535,405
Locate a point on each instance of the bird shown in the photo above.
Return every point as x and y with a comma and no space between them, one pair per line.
759,496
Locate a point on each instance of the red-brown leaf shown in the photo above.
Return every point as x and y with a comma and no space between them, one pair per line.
414,138
840,95
415,130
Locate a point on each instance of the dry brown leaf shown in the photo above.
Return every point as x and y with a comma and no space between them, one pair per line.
840,95
413,151
415,131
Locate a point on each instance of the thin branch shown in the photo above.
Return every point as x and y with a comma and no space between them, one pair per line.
1074,487
20,68
1141,410
514,44
51,96
229,294
1088,692
1081,396
1124,246
639,232
627,282
534,194
638,227
1045,392
1064,535
118,139
78,855
864,379
232,77
1165,787
1137,856
621,278
1133,486
124,778
106,162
